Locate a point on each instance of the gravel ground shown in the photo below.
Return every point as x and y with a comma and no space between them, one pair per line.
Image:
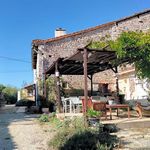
134,139
19,131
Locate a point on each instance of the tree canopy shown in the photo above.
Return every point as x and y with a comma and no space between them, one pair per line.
132,45
9,93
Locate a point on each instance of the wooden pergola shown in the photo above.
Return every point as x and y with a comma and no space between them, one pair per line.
85,62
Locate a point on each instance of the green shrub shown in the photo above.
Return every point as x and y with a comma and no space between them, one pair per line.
25,102
72,135
51,118
93,113
44,118
111,128
87,139
55,122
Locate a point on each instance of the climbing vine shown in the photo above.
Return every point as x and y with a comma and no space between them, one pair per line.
132,45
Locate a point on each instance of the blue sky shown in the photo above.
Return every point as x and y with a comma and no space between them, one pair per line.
21,21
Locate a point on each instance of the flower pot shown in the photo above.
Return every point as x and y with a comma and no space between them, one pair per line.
93,122
45,110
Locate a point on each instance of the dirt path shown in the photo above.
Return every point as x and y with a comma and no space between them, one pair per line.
19,131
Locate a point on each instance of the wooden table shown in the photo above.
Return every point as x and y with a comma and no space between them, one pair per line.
117,106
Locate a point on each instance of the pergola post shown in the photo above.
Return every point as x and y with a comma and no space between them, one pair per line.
45,92
85,60
91,84
91,79
117,84
115,70
58,87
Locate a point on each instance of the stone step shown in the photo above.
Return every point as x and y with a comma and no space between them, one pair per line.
140,124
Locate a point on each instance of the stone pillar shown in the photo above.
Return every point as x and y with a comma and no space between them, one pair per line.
18,95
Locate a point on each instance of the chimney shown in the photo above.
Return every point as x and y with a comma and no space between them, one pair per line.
60,32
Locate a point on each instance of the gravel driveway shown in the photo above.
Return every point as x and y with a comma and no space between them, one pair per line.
19,131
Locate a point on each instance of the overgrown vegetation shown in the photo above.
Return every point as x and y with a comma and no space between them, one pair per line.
72,134
44,118
25,102
8,93
93,113
50,88
132,45
47,117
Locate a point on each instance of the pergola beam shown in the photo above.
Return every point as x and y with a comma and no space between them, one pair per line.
69,69
78,70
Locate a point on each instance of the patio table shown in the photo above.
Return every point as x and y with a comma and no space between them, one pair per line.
117,106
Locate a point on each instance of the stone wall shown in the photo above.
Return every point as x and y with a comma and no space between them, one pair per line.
65,47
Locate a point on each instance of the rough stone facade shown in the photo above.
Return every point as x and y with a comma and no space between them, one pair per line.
68,45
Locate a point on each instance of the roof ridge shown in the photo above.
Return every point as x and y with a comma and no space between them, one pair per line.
39,41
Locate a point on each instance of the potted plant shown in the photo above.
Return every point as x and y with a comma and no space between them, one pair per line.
93,117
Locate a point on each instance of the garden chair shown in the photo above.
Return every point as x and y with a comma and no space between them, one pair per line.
89,104
66,104
100,106
76,104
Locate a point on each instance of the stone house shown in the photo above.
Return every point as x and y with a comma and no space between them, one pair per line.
28,92
45,52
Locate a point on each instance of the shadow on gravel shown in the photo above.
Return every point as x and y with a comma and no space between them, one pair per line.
8,116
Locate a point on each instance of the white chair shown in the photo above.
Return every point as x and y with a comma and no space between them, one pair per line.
66,104
75,104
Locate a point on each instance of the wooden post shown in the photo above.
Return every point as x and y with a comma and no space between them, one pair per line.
85,60
91,84
45,90
58,87
117,84
91,79
44,81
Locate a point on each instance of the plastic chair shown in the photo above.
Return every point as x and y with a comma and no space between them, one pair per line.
76,103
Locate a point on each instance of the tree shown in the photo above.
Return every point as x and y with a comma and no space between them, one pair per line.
132,45
1,88
10,94
51,89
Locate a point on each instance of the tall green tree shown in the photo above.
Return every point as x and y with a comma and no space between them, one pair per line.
10,94
1,88
136,47
132,45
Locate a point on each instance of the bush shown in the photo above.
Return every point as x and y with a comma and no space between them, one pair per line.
44,118
25,102
93,113
49,118
74,136
110,128
10,94
87,139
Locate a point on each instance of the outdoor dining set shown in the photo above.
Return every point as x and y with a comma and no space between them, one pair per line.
76,104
